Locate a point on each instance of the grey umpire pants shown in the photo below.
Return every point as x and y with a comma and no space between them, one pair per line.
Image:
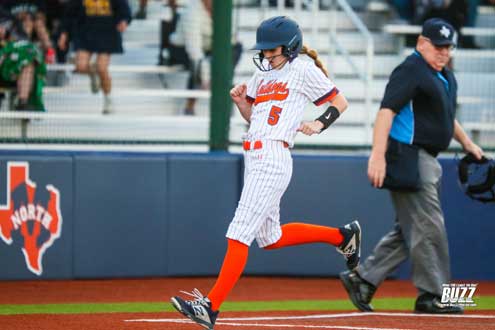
419,233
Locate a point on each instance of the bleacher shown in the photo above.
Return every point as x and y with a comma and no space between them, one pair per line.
149,103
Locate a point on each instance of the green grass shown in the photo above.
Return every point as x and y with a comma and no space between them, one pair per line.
398,304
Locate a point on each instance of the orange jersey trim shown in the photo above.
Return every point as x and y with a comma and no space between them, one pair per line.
328,97
249,99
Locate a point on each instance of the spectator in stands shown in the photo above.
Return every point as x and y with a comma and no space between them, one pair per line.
32,15
453,11
472,15
141,13
55,10
193,38
21,64
459,13
96,27
472,12
170,54
404,8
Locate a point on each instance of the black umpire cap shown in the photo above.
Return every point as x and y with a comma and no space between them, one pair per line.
440,32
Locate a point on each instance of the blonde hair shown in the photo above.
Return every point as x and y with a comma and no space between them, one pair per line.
313,54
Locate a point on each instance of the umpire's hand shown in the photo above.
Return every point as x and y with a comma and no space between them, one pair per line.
472,148
377,167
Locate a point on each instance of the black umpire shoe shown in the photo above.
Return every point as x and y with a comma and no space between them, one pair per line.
360,291
351,245
430,304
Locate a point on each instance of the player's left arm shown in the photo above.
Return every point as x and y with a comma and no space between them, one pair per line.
340,102
321,90
467,144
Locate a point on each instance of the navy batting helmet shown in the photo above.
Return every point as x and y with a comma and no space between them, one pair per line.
278,31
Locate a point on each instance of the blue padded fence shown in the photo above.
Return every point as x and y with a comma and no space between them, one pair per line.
142,215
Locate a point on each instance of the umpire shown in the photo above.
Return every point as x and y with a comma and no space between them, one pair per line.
417,112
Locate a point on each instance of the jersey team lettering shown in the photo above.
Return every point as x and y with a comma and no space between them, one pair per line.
458,294
272,90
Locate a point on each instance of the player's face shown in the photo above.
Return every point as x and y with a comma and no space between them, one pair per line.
275,57
436,56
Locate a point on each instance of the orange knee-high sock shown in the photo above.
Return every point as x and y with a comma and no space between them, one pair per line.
232,268
302,233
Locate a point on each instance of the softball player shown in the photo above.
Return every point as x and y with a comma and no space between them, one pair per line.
273,102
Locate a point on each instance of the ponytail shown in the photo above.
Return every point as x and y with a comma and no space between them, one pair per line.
313,54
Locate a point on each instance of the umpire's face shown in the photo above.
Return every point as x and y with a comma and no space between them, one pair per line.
436,56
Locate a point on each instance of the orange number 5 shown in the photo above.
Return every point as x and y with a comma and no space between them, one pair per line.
274,115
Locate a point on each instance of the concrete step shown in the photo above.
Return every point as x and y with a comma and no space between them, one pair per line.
353,89
351,41
486,18
143,91
476,84
249,19
337,65
132,128
125,101
470,60
479,85
136,56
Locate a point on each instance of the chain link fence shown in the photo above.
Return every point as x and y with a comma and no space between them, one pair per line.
149,100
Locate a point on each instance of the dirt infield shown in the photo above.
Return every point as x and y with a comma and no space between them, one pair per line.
248,289
230,321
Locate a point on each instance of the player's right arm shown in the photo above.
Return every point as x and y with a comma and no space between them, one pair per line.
238,95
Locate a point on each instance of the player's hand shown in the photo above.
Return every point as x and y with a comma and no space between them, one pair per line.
310,127
377,167
238,93
474,149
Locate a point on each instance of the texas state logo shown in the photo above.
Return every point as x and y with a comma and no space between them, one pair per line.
31,215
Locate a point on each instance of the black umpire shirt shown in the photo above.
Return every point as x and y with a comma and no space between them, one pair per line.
425,102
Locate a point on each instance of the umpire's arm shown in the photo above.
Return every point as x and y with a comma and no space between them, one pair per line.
376,163
467,144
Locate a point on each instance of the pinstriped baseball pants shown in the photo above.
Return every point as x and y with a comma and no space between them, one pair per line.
267,174
419,234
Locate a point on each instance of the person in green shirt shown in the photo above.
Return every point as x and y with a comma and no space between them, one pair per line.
22,63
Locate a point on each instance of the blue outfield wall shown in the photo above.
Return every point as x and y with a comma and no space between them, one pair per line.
66,215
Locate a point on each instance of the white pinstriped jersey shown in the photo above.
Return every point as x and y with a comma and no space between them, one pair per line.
279,97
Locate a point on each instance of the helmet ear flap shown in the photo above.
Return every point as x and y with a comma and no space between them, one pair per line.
286,51
291,51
